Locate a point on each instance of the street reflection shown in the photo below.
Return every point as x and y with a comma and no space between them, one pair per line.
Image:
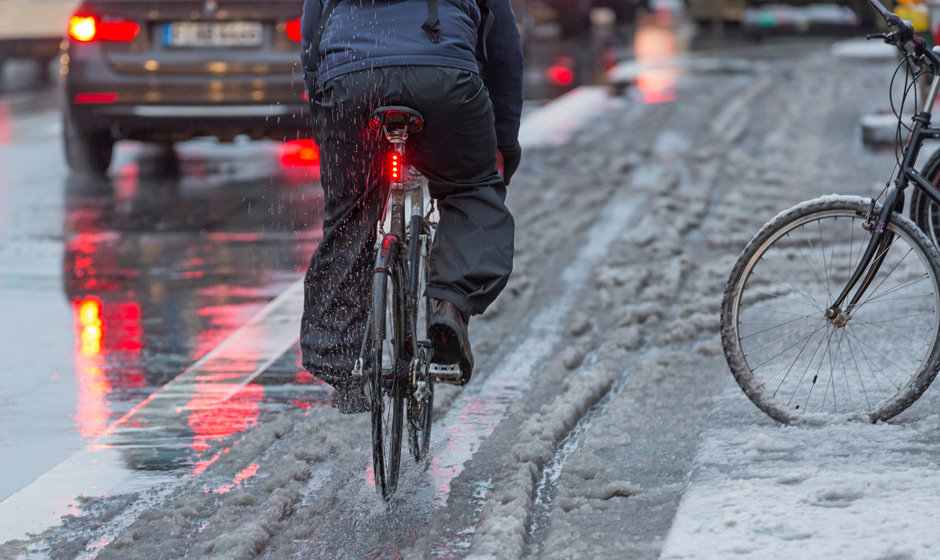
163,261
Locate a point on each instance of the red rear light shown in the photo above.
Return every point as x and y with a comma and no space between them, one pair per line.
292,28
395,167
88,28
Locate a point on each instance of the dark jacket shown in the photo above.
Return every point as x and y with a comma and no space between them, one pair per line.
363,34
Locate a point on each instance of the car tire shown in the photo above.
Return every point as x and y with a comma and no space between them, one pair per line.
87,152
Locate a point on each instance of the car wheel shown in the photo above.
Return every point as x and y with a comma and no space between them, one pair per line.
87,152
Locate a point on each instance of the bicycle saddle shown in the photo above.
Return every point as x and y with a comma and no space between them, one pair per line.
396,116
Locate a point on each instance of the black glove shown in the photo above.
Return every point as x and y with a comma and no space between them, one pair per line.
511,156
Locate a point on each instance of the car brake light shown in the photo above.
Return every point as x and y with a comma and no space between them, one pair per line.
85,29
299,153
292,28
105,97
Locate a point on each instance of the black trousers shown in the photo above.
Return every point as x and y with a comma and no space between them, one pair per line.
471,257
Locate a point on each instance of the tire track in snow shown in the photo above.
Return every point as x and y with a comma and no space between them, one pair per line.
476,414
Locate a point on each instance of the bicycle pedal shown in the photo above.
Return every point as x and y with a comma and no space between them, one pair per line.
445,373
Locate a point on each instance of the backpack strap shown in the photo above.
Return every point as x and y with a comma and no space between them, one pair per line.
313,51
433,24
487,17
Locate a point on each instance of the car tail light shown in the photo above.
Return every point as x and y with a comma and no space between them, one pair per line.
292,28
103,97
299,153
84,29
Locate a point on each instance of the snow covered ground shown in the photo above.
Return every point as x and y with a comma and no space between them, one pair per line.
602,421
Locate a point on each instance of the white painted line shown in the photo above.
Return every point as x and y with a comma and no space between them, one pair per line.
100,470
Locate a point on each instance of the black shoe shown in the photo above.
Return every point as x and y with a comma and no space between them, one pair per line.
449,341
351,400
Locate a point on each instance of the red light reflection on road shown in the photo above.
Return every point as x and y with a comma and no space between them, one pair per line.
241,477
103,329
212,419
656,46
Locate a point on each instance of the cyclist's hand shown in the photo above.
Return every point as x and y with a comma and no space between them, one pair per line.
511,157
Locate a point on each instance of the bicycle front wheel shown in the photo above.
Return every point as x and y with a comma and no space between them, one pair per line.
798,365
421,394
388,376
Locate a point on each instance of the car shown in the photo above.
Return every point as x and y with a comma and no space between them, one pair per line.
167,72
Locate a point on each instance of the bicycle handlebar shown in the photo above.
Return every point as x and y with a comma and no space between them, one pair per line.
903,34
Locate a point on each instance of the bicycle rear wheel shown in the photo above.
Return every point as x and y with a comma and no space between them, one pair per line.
797,365
388,376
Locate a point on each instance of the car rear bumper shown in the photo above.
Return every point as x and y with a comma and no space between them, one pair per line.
177,107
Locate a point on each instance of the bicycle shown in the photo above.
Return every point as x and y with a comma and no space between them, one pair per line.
833,308
395,352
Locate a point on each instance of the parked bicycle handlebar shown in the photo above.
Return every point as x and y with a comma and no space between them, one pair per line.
903,34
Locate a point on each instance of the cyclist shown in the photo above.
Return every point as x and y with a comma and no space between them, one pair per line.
458,62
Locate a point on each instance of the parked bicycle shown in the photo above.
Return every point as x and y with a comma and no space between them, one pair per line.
395,352
833,308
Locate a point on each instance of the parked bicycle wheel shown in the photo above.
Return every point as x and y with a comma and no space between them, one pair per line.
388,379
924,211
421,396
796,364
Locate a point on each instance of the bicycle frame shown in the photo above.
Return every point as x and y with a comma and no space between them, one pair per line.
881,239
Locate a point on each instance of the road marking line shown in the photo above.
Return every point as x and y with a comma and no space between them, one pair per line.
99,470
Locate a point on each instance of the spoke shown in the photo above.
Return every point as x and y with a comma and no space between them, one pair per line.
779,296
781,280
800,251
822,251
873,370
789,367
819,325
883,280
906,284
775,325
812,384
809,364
812,303
899,298
858,369
903,317
893,346
767,309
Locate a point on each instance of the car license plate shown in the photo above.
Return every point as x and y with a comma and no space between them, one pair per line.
213,34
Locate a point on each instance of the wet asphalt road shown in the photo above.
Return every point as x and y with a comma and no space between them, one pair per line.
112,286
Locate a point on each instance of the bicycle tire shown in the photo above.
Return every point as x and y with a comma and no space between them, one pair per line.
420,408
387,376
765,377
923,210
